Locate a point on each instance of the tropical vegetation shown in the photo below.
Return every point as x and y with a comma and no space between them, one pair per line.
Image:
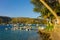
45,13
40,7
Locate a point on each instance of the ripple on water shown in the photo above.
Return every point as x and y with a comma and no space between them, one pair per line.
19,35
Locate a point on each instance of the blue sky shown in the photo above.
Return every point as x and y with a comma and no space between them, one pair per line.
17,8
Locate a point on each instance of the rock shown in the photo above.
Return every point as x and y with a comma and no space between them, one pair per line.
44,35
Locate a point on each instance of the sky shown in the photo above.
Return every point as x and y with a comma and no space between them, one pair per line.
17,8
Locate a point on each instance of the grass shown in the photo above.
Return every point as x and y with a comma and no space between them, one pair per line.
49,27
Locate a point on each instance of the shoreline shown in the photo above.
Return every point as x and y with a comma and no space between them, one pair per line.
44,35
50,35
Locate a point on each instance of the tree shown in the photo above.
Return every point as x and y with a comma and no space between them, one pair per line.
39,7
58,1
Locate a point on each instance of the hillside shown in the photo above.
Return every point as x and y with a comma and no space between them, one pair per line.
28,20
4,19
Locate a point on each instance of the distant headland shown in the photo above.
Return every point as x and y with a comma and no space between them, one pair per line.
6,19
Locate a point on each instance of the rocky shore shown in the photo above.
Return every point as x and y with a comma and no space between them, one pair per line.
50,35
44,35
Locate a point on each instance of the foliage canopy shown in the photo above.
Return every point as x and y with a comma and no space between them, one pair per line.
39,7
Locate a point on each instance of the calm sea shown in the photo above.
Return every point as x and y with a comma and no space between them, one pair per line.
18,35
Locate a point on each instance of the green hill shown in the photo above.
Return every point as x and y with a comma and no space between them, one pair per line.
4,19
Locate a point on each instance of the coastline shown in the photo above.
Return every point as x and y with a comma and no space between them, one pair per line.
50,35
44,35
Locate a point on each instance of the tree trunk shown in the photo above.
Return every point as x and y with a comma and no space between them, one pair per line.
51,10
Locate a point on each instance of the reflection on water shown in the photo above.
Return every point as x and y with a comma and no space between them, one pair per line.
18,35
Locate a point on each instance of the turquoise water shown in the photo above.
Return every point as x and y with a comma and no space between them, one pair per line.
18,35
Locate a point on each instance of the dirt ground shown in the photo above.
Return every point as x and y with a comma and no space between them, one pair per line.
55,34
